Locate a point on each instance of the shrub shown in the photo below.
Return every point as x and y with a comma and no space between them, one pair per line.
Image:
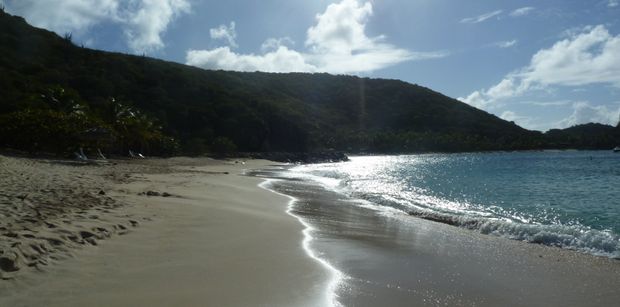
45,130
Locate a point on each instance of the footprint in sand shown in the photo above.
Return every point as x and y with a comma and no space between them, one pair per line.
8,265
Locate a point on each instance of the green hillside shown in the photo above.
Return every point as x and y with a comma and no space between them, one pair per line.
57,96
587,136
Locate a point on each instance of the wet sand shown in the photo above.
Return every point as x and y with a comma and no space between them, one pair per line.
217,240
392,259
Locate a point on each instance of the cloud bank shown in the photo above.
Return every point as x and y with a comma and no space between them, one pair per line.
337,43
584,112
591,56
280,60
143,21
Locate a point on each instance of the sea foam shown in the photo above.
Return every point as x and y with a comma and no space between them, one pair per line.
447,189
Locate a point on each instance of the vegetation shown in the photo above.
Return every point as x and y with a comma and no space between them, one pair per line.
58,121
58,97
588,136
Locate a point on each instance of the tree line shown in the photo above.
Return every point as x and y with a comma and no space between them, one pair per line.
57,97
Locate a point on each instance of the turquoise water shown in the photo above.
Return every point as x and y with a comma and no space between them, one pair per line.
569,199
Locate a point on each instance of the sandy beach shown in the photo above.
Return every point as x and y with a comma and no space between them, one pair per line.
217,240
200,232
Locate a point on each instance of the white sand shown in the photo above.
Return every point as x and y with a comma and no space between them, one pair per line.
222,242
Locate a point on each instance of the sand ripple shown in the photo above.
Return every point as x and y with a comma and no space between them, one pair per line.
48,208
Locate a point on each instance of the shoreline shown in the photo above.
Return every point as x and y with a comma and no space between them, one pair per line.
598,240
398,260
240,233
218,239
336,276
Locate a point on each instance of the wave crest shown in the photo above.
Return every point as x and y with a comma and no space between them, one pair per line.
597,242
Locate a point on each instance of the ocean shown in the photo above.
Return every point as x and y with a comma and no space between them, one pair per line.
458,229
569,199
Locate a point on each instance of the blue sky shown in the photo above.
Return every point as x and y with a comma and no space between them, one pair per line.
542,64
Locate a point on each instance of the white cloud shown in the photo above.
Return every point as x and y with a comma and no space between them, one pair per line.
64,16
521,11
523,121
146,25
484,99
143,21
227,33
337,43
279,60
342,28
481,18
507,44
613,3
556,103
275,43
583,113
589,57
509,115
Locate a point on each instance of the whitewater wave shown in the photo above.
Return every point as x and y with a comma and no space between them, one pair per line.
487,220
580,238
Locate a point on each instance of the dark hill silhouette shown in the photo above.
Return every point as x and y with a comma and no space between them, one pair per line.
52,88
586,136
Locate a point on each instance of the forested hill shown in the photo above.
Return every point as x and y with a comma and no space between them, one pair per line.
57,96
